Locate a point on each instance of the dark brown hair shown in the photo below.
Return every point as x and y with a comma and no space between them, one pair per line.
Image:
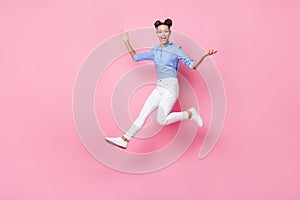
167,22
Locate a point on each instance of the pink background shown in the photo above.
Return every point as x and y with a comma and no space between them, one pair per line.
42,46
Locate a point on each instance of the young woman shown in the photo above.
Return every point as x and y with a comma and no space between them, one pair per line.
166,58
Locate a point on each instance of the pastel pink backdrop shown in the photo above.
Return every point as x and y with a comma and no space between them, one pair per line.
43,44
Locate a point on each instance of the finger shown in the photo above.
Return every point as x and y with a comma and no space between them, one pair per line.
213,52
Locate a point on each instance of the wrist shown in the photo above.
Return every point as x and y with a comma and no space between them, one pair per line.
132,52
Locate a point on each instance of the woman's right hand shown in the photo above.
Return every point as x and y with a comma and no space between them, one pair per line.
125,38
123,35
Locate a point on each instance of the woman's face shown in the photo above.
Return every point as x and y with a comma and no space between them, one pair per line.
163,33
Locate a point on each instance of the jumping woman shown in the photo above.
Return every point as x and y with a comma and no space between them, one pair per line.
166,58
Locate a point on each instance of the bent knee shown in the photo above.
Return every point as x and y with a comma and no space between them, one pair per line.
161,120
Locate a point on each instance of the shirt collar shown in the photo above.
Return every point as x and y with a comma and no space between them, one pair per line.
168,44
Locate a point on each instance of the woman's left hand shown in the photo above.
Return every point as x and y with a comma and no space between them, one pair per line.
211,52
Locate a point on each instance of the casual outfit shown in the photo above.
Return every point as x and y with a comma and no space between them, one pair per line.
165,94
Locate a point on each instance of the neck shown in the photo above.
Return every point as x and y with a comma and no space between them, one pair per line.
163,45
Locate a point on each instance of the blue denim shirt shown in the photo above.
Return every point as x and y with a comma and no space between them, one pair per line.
166,59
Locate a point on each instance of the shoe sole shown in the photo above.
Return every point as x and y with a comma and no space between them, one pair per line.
114,144
199,117
201,124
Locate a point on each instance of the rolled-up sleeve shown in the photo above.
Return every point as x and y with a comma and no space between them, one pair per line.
143,56
184,58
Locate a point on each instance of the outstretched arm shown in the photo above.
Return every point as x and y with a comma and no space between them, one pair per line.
125,38
198,62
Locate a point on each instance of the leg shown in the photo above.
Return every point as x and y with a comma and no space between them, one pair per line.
164,117
149,106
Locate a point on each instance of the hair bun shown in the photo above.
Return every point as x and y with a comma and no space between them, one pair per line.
168,22
157,23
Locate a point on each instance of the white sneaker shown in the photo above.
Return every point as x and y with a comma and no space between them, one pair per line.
196,117
118,141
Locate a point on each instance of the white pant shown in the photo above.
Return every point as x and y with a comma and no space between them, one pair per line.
162,97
